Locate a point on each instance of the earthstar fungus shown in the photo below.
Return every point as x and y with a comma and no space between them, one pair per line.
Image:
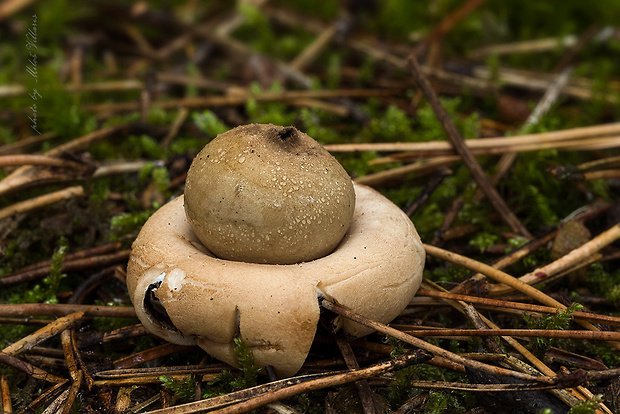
264,289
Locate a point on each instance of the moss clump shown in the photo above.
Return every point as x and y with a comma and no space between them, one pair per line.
587,407
558,320
182,388
209,123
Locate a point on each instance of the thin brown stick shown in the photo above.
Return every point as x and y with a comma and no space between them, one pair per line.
33,159
613,161
457,141
41,201
119,167
506,279
526,333
80,254
73,392
369,405
578,135
569,396
55,406
542,107
22,144
528,46
241,99
10,7
432,184
105,86
7,407
379,327
529,80
61,309
526,307
27,174
601,175
493,273
29,369
84,374
67,266
448,219
448,23
175,127
147,380
194,81
162,370
51,329
478,387
46,398
70,360
587,144
310,53
91,338
417,169
149,354
510,259
569,260
265,395
584,39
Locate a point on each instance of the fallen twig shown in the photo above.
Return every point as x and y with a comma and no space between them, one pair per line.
501,305
379,327
51,329
29,369
61,309
457,142
67,266
569,260
576,136
41,201
263,395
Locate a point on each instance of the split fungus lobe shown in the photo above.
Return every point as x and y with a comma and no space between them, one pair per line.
187,294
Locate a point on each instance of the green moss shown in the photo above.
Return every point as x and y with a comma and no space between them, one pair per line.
483,240
52,281
400,390
313,123
246,361
128,223
260,35
393,125
602,281
428,127
559,320
396,18
587,407
277,113
183,389
326,10
227,382
442,403
334,73
209,123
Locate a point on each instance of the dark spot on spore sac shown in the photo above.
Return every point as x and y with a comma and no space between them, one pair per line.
287,133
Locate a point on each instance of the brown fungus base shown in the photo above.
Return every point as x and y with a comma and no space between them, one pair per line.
207,301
